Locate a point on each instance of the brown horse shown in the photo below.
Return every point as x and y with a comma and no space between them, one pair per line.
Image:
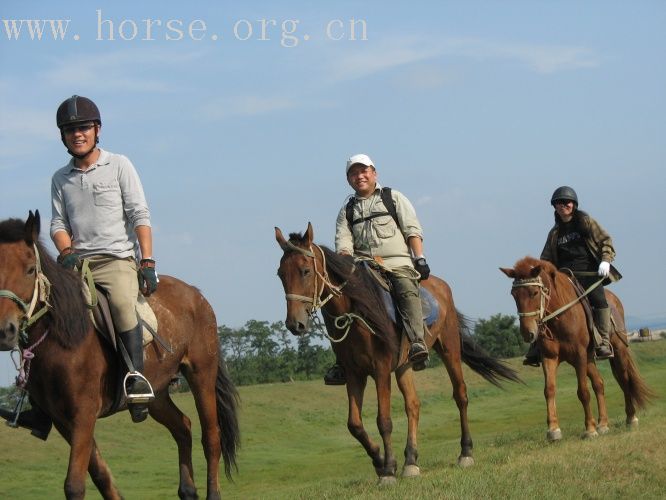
540,291
73,375
367,343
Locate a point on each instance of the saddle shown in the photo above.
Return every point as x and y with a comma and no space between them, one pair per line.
617,321
429,304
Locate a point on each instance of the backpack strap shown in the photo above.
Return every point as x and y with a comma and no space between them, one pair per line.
387,200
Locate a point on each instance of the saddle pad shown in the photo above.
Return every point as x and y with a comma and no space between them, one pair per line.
101,315
429,305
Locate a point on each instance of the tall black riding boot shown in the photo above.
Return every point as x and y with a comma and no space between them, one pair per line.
34,419
138,389
602,320
533,356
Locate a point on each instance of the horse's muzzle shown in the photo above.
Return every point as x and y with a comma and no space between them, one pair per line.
297,327
8,335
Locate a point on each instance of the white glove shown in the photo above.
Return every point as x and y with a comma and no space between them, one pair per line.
604,269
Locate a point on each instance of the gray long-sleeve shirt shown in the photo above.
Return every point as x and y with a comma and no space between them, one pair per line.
99,207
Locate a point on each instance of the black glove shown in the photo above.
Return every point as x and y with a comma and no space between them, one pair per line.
422,267
69,259
148,279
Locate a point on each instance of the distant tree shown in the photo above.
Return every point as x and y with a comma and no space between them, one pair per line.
500,336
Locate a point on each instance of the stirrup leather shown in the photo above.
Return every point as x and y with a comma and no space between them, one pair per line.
143,397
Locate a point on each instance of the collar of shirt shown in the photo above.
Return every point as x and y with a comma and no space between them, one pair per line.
104,159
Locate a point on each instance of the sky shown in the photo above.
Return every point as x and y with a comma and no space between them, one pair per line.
239,116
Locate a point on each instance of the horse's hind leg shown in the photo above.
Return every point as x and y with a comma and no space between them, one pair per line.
412,407
454,369
598,388
164,411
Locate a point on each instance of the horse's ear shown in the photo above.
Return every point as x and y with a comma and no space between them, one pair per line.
280,239
509,272
32,226
309,235
535,271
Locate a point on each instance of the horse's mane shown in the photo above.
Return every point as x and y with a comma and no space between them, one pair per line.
70,321
361,289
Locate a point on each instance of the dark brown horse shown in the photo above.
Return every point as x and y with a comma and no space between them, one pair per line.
72,376
367,343
540,291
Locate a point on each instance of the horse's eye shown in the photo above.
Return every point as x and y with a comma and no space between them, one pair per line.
306,272
31,271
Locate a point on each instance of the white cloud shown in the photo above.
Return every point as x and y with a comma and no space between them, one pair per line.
386,55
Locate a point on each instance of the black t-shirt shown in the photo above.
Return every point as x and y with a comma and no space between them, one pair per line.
571,249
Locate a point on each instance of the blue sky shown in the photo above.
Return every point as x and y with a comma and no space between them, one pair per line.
475,110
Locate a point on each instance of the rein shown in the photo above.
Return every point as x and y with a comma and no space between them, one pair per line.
544,293
41,293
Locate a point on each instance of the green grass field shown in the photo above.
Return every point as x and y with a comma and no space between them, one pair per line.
295,444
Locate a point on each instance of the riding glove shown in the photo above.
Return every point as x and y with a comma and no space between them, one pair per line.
422,267
604,269
68,259
148,278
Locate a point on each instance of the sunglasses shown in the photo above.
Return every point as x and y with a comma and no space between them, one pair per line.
83,128
562,202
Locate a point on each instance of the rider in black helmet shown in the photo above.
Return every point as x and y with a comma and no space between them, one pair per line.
579,243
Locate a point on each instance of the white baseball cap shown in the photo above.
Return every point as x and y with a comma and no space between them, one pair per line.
359,158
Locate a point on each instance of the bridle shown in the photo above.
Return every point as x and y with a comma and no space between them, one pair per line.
321,281
40,294
544,298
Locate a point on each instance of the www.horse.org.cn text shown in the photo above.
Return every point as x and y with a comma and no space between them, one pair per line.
287,32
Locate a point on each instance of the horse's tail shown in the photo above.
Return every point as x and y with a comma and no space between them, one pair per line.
227,398
474,356
627,375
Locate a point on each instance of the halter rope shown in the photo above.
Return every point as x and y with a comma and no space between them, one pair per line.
545,299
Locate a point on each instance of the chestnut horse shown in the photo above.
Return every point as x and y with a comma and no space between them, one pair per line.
367,343
72,375
542,294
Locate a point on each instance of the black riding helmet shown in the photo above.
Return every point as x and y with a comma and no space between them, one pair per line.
564,193
77,109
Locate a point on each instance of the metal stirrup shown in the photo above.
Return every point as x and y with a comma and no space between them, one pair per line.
144,397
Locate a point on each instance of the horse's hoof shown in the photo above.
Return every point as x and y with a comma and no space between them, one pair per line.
387,481
589,435
632,423
411,471
554,435
465,462
604,429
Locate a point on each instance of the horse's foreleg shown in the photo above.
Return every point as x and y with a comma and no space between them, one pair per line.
412,407
550,375
584,397
598,388
355,389
385,424
101,475
454,369
164,411
79,435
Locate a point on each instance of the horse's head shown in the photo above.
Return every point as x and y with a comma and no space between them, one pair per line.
18,275
298,273
530,292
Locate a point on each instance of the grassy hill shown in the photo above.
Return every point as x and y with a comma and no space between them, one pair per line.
296,445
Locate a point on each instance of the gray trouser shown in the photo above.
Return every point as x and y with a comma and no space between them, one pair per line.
406,293
119,278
